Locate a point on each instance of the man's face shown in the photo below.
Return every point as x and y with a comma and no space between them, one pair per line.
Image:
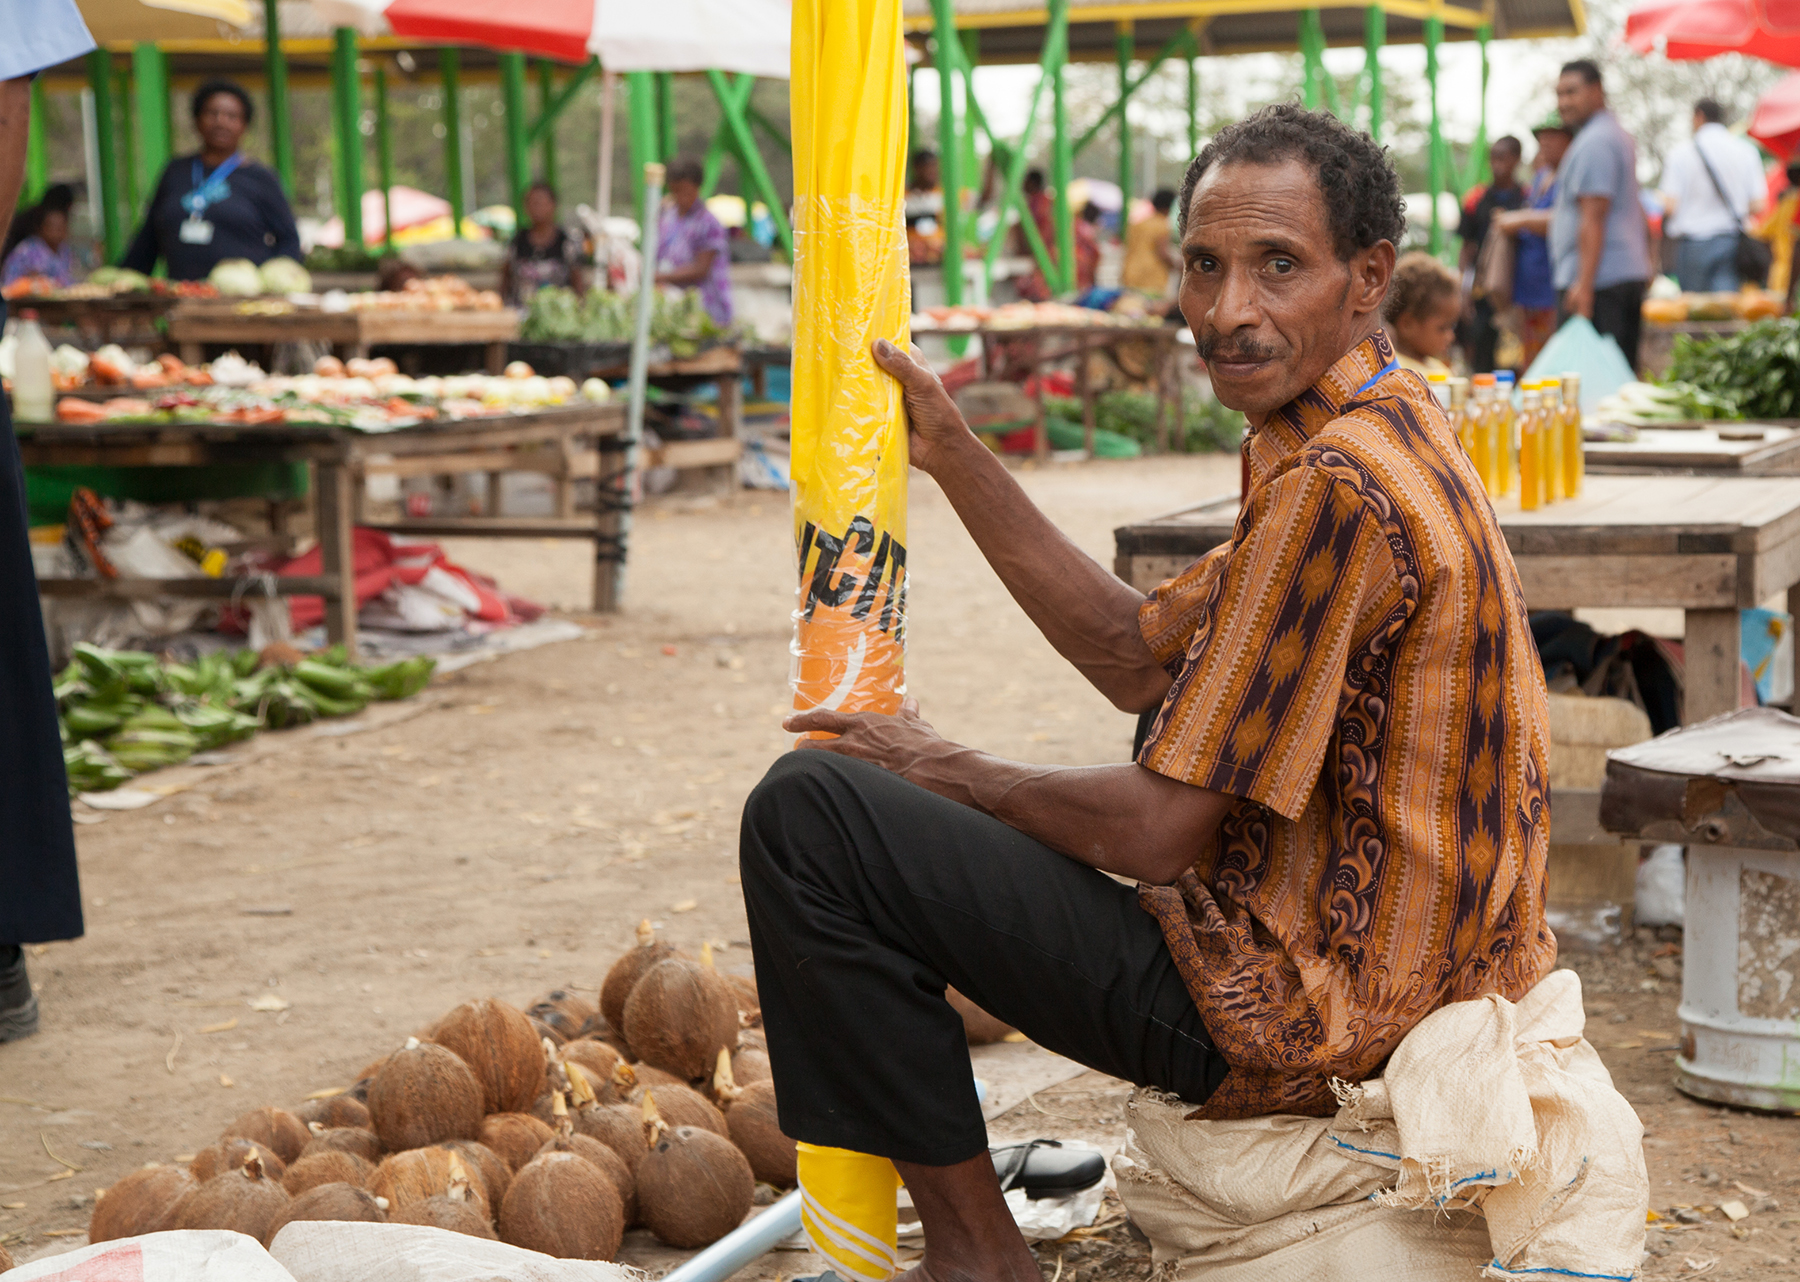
1503,161
1552,143
1577,99
1270,303
684,193
1698,121
925,174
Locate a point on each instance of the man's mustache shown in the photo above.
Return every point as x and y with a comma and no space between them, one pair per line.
1216,347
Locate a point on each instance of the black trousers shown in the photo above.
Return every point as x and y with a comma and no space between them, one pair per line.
1619,311
866,894
1484,337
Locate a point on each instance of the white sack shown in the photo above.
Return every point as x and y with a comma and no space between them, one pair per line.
340,1251
179,1255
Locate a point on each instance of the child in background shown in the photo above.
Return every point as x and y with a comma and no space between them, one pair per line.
1421,310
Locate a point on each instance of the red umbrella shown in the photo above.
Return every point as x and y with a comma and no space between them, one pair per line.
1693,29
1776,123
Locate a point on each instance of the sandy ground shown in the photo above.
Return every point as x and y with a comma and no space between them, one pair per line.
507,840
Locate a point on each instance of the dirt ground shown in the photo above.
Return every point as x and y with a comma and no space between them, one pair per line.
508,839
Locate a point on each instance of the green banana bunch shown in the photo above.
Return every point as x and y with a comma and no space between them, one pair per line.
91,768
401,679
132,670
152,738
213,725
96,716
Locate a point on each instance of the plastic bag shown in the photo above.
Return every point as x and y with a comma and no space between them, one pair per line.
340,1251
1579,348
177,1255
849,458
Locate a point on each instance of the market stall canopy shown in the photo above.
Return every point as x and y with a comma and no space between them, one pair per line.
1013,30
628,35
124,22
1776,122
1687,30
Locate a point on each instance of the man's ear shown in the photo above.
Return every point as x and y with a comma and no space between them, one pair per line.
1371,271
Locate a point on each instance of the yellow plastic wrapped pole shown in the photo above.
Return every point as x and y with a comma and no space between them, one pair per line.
848,117
849,1212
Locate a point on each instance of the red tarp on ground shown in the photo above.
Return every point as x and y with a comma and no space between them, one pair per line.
382,562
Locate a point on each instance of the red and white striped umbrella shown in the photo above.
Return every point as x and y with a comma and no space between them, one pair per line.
1688,30
628,35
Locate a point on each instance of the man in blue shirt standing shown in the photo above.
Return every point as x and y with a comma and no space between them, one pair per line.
1599,243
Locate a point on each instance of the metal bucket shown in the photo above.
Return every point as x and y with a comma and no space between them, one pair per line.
1740,982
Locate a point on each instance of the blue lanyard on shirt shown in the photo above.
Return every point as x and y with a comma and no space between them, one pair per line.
210,190
1380,374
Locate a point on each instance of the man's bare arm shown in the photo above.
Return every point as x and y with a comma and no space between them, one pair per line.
1082,610
1590,243
1121,819
15,121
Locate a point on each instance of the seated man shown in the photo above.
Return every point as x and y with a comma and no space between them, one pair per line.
1338,820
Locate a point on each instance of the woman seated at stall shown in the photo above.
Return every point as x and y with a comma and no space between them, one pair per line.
215,204
543,252
37,244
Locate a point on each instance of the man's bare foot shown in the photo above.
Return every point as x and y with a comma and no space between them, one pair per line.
970,1235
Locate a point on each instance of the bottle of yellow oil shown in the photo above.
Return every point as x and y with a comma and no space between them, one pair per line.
1483,413
1459,408
1508,435
1574,459
1531,469
1550,436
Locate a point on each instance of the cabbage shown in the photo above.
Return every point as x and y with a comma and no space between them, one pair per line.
236,276
595,390
122,279
285,276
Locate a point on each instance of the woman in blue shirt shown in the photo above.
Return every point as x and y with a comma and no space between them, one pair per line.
1534,290
216,204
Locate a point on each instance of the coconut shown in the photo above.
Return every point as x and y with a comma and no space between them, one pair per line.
413,1176
566,1014
753,1039
246,1199
679,1016
6,1260
749,1004
493,1172
618,1126
980,1027
332,1201
359,1091
423,1094
683,1106
645,1077
597,1058
515,1136
329,1166
563,1205
499,1044
345,1139
333,1111
756,1130
610,1163
605,1090
139,1203
275,1129
751,1066
693,1187
230,1154
616,988
445,1212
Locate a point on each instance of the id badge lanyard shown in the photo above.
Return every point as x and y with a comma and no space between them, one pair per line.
208,190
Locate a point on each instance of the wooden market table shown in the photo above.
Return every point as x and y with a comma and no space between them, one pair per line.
1715,448
1709,545
1033,350
546,440
723,367
195,323
116,318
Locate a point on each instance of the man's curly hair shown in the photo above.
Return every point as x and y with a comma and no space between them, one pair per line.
1360,187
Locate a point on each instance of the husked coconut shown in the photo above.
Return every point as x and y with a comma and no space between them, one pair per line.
679,1016
750,1065
359,1140
499,1044
413,1176
139,1203
275,1129
246,1200
339,1201
647,1077
517,1137
684,1106
333,1111
980,1027
749,1005
6,1260
329,1166
756,1130
610,1163
597,1059
693,1187
230,1154
616,988
445,1212
359,1089
569,1015
753,1039
562,1204
491,1170
618,1126
423,1094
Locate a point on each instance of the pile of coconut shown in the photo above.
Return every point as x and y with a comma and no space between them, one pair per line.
554,1128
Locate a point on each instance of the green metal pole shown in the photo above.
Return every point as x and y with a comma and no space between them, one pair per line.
1193,97
912,117
1374,36
1479,170
1124,45
1434,32
518,152
384,147
943,44
968,53
127,143
1062,159
1056,35
546,96
640,103
150,86
665,115
37,152
1312,72
750,160
106,143
346,81
450,74
721,144
281,127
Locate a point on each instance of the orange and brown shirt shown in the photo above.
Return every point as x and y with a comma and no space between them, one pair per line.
1355,667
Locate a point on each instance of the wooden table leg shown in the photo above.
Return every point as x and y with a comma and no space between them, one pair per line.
1089,416
562,481
192,353
496,358
1035,372
1711,651
731,418
337,550
609,494
493,494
